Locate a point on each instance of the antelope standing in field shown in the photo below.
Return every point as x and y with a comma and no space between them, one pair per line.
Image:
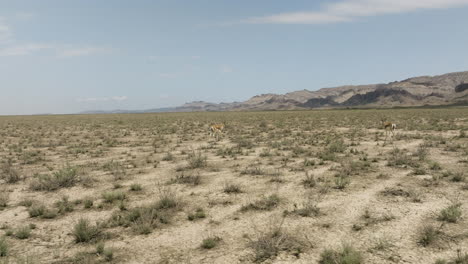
216,129
389,127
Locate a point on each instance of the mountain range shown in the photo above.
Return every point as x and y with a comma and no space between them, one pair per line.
446,89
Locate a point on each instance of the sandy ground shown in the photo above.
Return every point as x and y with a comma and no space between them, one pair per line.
364,213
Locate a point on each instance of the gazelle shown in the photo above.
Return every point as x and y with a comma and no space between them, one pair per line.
389,127
216,129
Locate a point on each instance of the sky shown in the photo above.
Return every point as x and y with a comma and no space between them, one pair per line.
64,56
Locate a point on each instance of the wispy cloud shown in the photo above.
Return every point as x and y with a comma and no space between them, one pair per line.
226,69
22,50
60,52
349,10
168,75
102,99
24,16
119,98
5,31
83,51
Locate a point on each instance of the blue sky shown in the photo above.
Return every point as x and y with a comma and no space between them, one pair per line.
63,56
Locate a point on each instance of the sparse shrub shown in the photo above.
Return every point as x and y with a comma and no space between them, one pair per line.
435,166
428,235
308,209
327,155
458,177
84,232
189,179
112,196
26,202
23,232
88,203
36,210
108,254
266,203
3,247
232,188
135,187
66,177
459,259
419,171
451,214
347,255
198,214
308,163
144,219
268,244
8,173
253,170
337,146
168,157
341,181
4,198
422,152
196,160
309,181
64,205
462,134
210,242
399,158
117,170
243,143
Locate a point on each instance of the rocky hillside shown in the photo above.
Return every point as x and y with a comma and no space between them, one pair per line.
447,89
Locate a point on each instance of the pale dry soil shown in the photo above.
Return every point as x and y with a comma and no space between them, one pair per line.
361,214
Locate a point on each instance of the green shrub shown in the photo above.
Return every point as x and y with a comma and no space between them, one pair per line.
198,214
210,242
8,173
135,187
112,196
232,188
197,160
23,232
3,247
347,255
451,214
66,177
84,232
428,235
268,245
266,203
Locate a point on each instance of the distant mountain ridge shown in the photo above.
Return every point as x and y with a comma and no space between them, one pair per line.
446,89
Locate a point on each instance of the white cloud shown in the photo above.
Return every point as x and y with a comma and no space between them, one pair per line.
348,10
119,98
24,16
78,52
168,75
196,57
5,32
102,99
21,50
226,69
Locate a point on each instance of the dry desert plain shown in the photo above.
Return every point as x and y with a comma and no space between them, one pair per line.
324,186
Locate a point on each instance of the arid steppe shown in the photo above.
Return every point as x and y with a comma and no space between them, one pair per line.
327,186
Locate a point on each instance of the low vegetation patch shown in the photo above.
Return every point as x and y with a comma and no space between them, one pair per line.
66,177
268,245
346,255
264,204
210,242
451,214
85,232
3,247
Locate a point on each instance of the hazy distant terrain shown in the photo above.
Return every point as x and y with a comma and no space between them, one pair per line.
450,88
